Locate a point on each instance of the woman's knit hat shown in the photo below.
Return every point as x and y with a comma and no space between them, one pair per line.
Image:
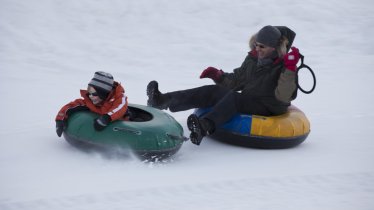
269,36
103,83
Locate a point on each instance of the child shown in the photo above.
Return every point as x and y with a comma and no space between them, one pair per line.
103,96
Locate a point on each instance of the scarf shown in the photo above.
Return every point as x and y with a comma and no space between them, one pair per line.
268,60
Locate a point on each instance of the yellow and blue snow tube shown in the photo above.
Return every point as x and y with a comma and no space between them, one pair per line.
274,132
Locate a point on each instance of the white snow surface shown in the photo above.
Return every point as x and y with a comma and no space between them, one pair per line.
50,49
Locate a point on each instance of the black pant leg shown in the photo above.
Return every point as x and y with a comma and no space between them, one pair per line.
233,103
200,97
224,109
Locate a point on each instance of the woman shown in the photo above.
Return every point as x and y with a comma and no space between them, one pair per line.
103,96
266,81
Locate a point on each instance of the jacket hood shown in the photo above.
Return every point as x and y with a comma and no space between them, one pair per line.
288,34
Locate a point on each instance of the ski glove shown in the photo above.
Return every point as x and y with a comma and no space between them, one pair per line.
212,73
101,122
59,127
291,59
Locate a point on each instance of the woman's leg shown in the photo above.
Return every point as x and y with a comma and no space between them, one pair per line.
200,97
233,103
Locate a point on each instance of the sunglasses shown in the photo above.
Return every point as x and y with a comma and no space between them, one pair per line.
93,94
260,45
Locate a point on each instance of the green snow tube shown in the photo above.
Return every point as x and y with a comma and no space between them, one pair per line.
150,133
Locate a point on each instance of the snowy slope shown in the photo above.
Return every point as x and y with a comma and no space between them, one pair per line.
50,49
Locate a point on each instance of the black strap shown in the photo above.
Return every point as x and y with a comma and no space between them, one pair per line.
311,71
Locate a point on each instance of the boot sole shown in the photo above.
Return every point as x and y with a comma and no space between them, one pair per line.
195,136
151,87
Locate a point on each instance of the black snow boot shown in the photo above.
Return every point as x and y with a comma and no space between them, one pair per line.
155,98
199,128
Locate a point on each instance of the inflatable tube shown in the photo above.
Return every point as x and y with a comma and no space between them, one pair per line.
275,132
150,133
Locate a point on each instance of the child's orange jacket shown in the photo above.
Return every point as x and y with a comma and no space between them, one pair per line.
115,105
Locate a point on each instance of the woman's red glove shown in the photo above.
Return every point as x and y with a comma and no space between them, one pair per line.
291,59
212,73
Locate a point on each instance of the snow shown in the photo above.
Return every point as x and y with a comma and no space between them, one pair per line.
50,49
